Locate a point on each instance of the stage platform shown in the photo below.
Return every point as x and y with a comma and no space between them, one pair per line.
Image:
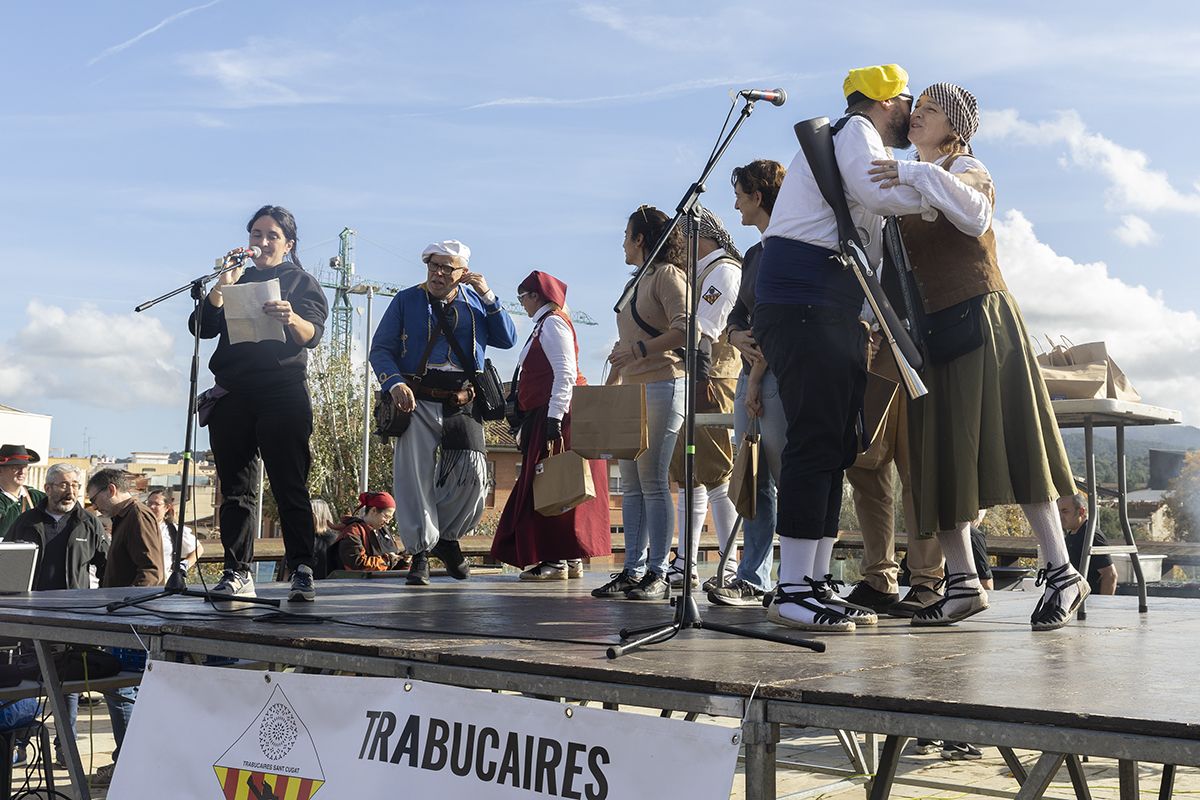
1120,685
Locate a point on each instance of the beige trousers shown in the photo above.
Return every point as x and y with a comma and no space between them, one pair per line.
874,493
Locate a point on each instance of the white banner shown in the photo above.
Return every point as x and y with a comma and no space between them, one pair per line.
209,733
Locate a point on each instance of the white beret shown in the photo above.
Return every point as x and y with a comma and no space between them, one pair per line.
450,247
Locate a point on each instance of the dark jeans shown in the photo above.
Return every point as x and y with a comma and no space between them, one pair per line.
819,357
276,423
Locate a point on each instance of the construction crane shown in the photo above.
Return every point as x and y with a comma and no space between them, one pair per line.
577,317
341,329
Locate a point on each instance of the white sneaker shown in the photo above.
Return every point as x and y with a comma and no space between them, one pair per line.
236,583
546,571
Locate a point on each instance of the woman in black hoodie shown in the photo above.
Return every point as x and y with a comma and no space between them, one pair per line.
264,406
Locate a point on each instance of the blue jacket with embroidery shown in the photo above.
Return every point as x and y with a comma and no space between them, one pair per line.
408,323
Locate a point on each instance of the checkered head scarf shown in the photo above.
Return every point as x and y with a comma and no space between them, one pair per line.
959,106
711,227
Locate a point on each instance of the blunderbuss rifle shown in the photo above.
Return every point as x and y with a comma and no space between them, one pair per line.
816,140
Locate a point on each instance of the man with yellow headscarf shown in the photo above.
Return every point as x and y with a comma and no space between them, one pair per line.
806,320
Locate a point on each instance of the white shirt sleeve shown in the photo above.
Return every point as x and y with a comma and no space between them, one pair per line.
559,346
968,209
717,296
856,145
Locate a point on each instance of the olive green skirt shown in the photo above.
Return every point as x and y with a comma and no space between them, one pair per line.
985,434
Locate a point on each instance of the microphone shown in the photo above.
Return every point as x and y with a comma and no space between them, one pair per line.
242,253
775,97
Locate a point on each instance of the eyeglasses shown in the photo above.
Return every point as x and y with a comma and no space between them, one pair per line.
64,485
98,492
523,295
443,269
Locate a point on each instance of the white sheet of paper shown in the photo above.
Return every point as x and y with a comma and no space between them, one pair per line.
244,316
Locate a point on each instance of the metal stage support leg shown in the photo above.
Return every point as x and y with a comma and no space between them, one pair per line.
849,742
1167,787
1078,778
1128,773
62,721
1043,772
1089,463
872,753
881,784
760,739
1126,528
1014,764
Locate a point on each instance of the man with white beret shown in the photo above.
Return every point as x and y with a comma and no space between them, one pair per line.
439,469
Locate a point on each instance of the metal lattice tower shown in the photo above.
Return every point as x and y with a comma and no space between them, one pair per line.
342,314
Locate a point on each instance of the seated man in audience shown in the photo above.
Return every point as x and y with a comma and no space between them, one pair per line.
1101,575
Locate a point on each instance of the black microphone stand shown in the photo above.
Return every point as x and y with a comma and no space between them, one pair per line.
687,613
176,581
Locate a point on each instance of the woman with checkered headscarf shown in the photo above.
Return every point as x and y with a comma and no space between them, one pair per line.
986,433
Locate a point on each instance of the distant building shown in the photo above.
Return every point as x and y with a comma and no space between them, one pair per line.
31,430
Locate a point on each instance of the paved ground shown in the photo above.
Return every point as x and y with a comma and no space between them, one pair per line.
985,777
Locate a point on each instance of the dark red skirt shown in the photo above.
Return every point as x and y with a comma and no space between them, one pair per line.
524,537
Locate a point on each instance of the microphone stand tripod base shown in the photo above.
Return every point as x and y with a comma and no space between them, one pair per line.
176,586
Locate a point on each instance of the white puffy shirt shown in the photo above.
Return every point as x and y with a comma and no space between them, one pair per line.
968,209
558,343
718,293
801,212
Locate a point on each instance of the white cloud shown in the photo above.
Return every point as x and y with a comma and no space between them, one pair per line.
1157,346
1135,231
85,355
1133,185
264,73
151,30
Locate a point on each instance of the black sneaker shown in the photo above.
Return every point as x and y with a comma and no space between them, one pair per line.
652,586
867,596
621,583
302,585
737,593
418,571
450,553
960,751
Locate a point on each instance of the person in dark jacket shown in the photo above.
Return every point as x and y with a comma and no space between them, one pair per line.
70,540
265,408
359,546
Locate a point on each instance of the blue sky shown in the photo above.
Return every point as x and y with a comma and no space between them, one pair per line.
140,135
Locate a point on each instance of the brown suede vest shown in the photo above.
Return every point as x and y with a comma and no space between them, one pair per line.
949,265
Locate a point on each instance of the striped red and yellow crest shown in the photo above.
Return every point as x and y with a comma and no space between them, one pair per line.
244,784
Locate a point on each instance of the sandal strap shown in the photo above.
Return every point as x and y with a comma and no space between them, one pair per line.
1050,608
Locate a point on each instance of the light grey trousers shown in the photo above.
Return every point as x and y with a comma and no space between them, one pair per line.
439,493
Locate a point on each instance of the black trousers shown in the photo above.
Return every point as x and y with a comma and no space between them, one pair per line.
276,423
819,357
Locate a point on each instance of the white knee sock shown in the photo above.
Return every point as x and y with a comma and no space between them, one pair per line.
823,556
724,516
1043,518
956,545
699,509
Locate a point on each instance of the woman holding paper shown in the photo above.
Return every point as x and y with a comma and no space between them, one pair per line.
263,406
986,433
547,374
650,328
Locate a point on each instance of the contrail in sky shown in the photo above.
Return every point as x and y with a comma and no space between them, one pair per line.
164,23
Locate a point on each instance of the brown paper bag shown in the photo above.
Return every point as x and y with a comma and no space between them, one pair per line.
1076,381
609,421
1079,361
743,483
561,481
